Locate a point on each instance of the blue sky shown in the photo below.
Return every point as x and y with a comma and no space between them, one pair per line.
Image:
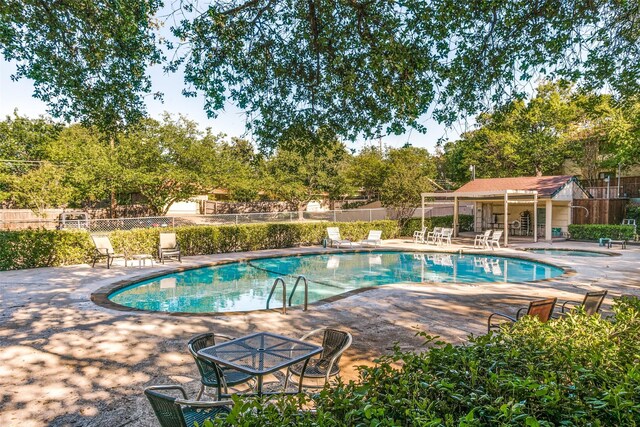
231,121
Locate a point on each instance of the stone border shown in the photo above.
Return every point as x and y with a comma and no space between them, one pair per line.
597,251
101,296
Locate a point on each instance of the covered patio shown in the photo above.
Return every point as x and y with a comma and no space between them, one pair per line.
522,206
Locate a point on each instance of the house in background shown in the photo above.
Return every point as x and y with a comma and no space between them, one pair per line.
528,206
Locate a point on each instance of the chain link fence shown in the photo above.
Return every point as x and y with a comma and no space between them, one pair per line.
107,225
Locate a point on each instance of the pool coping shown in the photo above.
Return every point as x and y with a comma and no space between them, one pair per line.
597,251
100,296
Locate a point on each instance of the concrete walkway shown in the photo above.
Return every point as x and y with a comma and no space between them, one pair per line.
65,361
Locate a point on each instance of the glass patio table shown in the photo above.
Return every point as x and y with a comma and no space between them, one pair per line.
261,354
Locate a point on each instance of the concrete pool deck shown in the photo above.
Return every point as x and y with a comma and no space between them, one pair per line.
65,361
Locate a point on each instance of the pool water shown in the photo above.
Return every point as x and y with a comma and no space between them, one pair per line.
245,286
567,252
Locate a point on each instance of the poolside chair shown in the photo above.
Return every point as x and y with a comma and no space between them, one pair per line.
542,309
494,240
591,303
481,240
373,239
103,249
212,375
177,412
334,343
168,247
418,235
433,235
333,234
445,236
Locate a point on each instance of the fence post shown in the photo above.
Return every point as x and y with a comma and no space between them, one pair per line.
334,215
290,216
370,215
173,221
236,219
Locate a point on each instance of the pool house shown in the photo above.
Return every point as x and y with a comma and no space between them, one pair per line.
536,206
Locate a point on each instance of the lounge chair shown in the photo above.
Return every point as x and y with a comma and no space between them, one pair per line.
103,249
591,303
481,240
176,412
542,309
445,236
168,247
334,343
212,375
433,235
333,234
494,240
373,239
418,235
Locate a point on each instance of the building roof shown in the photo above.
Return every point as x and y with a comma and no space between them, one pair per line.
546,186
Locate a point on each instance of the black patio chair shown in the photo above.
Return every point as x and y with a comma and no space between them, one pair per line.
591,303
334,343
542,309
176,412
211,374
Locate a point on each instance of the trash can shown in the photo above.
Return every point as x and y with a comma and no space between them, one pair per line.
324,243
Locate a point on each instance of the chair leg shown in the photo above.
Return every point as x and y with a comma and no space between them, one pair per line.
200,393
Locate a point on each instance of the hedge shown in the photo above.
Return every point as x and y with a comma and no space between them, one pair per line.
415,224
577,371
48,248
597,231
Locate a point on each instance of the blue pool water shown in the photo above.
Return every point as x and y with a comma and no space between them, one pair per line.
567,252
245,286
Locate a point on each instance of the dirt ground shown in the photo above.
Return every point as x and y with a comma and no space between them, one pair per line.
65,361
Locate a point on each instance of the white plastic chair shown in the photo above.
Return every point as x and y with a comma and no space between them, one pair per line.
373,239
481,239
418,235
434,235
333,233
495,239
445,236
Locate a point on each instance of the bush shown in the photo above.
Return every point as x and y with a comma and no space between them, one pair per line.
415,224
580,370
597,231
48,248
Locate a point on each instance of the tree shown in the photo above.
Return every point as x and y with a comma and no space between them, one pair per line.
298,176
362,67
367,170
409,173
41,188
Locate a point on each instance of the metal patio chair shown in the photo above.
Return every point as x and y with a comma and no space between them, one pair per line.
211,374
103,249
168,247
176,412
591,303
325,366
542,309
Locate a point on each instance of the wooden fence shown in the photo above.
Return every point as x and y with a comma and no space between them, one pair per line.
629,187
598,211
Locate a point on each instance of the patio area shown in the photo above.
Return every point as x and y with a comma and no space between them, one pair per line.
67,361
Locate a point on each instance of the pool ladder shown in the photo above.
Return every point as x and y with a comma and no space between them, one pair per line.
280,281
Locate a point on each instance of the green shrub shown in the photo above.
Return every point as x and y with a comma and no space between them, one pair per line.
47,248
415,224
633,212
578,371
597,231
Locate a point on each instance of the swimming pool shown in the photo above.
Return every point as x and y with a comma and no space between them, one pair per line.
245,286
567,252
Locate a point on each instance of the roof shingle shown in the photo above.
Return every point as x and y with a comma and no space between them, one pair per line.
545,185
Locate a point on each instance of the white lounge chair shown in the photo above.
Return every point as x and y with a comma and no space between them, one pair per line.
481,239
418,235
333,233
495,239
445,236
373,239
433,235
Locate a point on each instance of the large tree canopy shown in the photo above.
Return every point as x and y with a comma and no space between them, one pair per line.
371,67
87,58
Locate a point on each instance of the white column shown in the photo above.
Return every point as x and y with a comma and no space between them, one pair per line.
455,217
535,218
548,218
506,219
422,204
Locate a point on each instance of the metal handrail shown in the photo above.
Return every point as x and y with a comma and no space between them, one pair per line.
306,291
284,294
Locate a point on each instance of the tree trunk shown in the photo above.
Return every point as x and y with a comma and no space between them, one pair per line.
113,204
